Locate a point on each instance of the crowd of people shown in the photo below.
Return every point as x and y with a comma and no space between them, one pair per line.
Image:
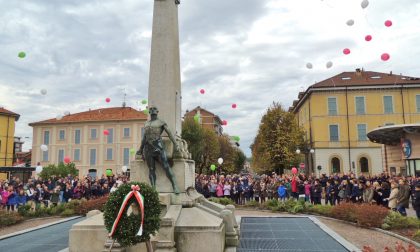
389,191
55,190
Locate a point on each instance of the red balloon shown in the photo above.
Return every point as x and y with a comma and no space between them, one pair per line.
368,38
202,91
106,132
224,122
108,99
294,170
67,160
234,105
385,56
346,51
388,23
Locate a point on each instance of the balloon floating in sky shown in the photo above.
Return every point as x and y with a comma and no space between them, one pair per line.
108,172
234,105
309,65
294,170
212,167
220,161
144,101
197,117
236,138
44,147
132,151
146,111
38,169
67,160
388,23
346,51
364,4
368,38
202,91
106,132
224,122
43,91
108,100
22,55
329,64
385,56
350,22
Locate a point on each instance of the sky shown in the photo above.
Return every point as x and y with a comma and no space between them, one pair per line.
248,52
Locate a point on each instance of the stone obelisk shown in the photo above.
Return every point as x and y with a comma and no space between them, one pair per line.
165,77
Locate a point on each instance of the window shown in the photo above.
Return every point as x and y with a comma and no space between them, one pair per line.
93,133
61,135
360,105
126,132
60,156
418,103
126,156
46,137
335,165
110,137
45,156
92,173
334,133
332,106
389,124
388,105
92,157
109,154
77,136
361,132
76,155
364,164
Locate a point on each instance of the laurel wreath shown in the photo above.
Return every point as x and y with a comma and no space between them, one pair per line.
129,223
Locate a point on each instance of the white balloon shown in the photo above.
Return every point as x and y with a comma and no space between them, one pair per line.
43,91
329,64
364,4
350,22
124,168
59,117
309,65
44,147
67,113
38,169
220,161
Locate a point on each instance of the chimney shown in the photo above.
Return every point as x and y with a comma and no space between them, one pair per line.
358,72
390,73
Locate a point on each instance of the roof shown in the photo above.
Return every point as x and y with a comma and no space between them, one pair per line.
355,79
98,115
391,135
365,78
190,113
4,111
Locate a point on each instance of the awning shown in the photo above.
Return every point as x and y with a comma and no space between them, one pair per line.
391,135
16,169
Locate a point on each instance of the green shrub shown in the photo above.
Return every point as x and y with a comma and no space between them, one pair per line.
222,201
269,204
251,203
416,235
324,210
24,210
298,208
67,212
394,220
344,211
370,215
9,218
87,205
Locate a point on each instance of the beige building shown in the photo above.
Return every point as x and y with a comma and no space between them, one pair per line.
81,137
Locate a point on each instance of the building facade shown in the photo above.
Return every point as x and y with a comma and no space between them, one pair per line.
206,119
81,137
7,134
337,113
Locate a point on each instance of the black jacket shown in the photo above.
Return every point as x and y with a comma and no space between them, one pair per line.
416,204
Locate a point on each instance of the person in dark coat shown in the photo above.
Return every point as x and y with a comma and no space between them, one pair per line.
416,204
317,192
403,198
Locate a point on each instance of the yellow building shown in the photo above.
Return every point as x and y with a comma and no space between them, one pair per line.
7,136
338,112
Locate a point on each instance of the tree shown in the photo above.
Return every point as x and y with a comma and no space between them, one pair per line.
61,170
211,150
240,159
192,132
278,137
227,152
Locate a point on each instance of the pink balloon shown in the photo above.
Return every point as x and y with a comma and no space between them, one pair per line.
67,160
385,56
368,38
294,170
234,105
202,91
106,132
224,122
108,99
388,23
346,51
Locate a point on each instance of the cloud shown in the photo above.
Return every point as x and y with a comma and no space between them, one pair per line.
246,52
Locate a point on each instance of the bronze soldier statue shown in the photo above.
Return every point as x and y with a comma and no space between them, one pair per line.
152,148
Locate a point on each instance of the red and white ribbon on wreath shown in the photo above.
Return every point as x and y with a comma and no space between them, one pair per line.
135,192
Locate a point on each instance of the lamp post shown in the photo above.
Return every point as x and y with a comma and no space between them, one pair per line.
307,151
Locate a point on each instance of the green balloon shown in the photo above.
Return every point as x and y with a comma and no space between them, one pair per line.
22,55
212,167
197,117
146,111
144,101
109,173
236,138
133,151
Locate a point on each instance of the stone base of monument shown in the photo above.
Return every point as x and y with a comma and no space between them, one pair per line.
189,222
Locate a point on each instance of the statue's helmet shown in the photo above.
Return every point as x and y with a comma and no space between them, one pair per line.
153,111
